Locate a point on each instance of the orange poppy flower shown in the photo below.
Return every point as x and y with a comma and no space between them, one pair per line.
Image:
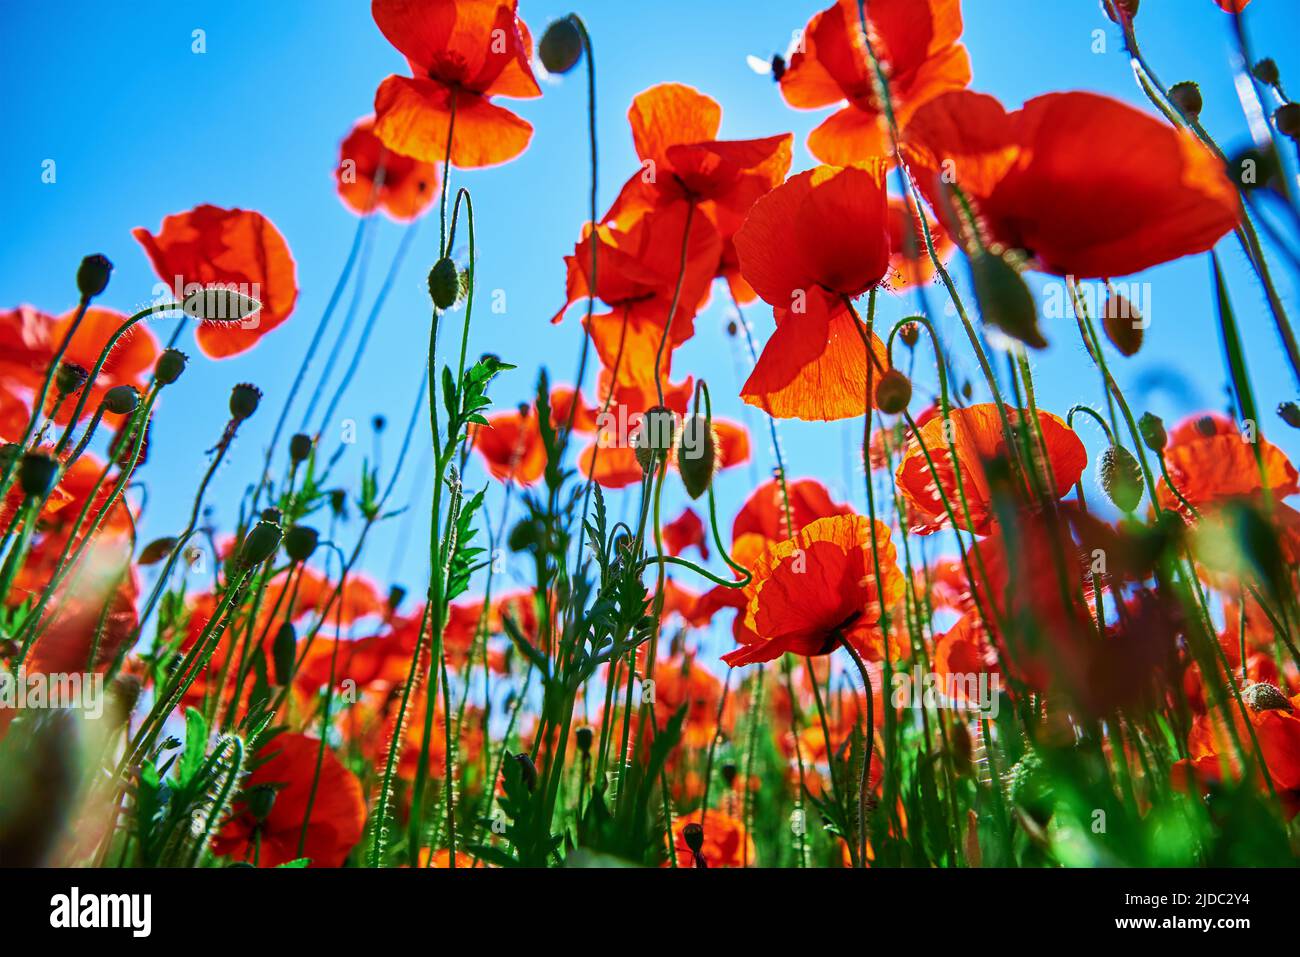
909,260
408,186
978,437
764,512
726,842
812,243
208,246
685,531
811,591
511,443
461,53
1232,6
916,41
1084,185
106,591
674,129
684,682
338,811
1210,461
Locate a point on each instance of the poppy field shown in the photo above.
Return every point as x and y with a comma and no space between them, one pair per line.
829,504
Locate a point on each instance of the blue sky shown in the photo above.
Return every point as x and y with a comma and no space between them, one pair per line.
140,126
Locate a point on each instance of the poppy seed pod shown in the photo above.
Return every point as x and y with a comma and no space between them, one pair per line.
169,367
260,544
893,392
910,333
261,799
583,736
36,474
219,304
1123,324
283,652
1289,412
300,447
300,542
697,456
70,378
1262,696
1287,119
561,46
1187,97
244,399
121,400
444,283
1266,71
1120,477
1153,432
93,275
1005,300
156,550
655,436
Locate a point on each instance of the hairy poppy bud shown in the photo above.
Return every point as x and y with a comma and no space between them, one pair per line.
697,455
244,399
261,799
170,365
1125,8
156,550
260,543
1120,477
219,304
893,392
300,447
693,833
1262,696
1287,119
1290,414
1005,300
36,474
396,595
1123,324
1266,72
1153,432
121,400
70,378
92,275
655,436
910,333
527,769
561,46
1187,97
300,542
444,283
283,652
729,770
583,736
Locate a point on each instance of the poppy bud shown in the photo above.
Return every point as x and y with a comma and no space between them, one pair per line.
910,333
1266,72
121,400
219,304
1005,300
729,773
1120,477
1254,167
70,378
339,502
156,550
1205,425
1262,696
967,390
261,799
693,833
260,544
170,366
1287,119
1187,97
300,541
583,736
444,283
379,423
697,456
561,46
396,595
732,328
1153,432
1290,414
655,436
92,275
893,392
36,474
1123,324
283,652
527,769
271,514
300,447
243,401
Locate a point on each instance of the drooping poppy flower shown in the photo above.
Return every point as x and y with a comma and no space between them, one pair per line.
916,42
808,247
674,129
1210,460
289,768
685,531
978,438
813,591
726,843
210,246
461,53
407,187
1084,185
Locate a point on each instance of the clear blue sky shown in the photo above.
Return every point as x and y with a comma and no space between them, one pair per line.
140,127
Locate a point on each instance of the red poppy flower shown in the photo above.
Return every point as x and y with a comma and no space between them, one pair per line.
685,531
684,682
726,842
916,41
208,246
811,591
338,811
511,443
461,53
809,245
909,261
1083,184
978,437
1210,461
674,129
408,186
1232,6
764,512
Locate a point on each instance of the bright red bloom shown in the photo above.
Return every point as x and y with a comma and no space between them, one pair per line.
1232,6
208,246
685,531
726,842
511,443
407,189
909,261
1210,461
1083,184
461,54
916,42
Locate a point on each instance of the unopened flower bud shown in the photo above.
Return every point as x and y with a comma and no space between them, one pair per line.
583,736
1005,300
300,447
396,595
893,392
561,46
261,799
244,399
284,652
121,400
654,438
1153,432
1120,477
697,455
1290,414
1262,696
93,275
528,769
36,474
300,542
260,544
1287,119
1187,97
910,333
1266,72
70,378
170,366
156,550
444,283
219,304
1122,324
